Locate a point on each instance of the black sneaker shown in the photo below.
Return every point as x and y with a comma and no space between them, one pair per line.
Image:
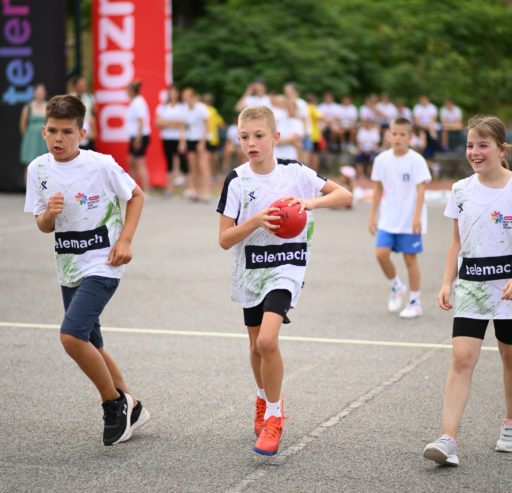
117,415
140,416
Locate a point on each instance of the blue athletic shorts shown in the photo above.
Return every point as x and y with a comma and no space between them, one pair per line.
401,243
84,304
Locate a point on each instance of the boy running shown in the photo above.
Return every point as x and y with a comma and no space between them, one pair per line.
400,175
75,193
265,281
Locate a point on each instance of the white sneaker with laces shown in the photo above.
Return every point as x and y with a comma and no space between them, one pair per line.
395,297
443,451
412,310
504,443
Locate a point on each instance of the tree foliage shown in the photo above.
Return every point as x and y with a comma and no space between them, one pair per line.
444,48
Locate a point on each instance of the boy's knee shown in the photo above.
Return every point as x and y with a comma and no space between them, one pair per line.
69,342
382,253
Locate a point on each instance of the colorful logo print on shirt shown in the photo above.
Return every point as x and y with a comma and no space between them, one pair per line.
497,217
81,198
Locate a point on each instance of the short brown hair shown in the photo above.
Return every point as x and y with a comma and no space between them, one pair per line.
401,121
66,107
259,112
492,127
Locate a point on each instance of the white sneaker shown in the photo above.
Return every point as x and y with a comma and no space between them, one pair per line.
395,297
412,310
443,451
504,443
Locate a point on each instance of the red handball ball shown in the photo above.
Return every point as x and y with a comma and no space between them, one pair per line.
291,223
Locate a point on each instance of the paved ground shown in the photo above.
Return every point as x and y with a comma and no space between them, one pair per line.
363,388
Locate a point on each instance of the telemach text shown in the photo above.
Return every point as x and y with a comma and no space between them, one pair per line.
78,242
259,257
486,268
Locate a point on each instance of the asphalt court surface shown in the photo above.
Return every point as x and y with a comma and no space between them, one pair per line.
362,387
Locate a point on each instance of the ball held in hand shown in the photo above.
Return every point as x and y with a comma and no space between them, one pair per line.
291,223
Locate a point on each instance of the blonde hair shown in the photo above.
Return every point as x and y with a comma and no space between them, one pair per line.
492,127
258,112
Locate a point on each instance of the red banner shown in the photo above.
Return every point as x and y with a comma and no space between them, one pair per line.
132,40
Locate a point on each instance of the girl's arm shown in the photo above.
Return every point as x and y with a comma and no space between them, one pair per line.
377,194
231,234
420,199
24,120
450,272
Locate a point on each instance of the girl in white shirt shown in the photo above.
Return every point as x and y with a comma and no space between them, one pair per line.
478,270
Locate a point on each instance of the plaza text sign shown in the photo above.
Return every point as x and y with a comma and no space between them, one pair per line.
132,40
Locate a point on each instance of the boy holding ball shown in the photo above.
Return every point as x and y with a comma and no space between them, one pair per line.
268,289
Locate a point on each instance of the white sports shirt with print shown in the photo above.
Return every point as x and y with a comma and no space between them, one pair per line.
91,221
399,177
262,261
484,218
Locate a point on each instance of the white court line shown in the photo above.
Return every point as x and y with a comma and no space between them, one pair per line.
237,335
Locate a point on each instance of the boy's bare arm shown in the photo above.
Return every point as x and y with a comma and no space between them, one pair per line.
377,195
230,234
334,196
46,220
122,251
420,199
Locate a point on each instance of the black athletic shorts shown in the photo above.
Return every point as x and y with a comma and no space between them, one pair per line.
170,149
277,301
141,151
472,327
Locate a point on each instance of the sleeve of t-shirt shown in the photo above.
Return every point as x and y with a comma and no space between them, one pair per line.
314,181
139,108
229,201
377,169
121,184
450,210
33,200
421,171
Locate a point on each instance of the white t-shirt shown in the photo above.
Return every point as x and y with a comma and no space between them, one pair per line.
257,100
232,134
196,119
168,112
388,110
137,109
368,139
451,115
366,113
399,177
425,114
262,261
347,115
288,127
331,112
91,222
404,112
484,217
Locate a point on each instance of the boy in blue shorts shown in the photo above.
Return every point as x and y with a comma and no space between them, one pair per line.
75,193
268,271
399,176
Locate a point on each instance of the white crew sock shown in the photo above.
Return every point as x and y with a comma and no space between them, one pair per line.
273,409
396,282
414,296
261,394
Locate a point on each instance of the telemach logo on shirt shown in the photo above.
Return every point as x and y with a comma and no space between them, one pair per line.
486,268
79,242
260,257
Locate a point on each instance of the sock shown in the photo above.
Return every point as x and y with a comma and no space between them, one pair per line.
414,296
448,436
261,394
396,282
273,409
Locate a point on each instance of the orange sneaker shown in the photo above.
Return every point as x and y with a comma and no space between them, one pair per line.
268,441
259,421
